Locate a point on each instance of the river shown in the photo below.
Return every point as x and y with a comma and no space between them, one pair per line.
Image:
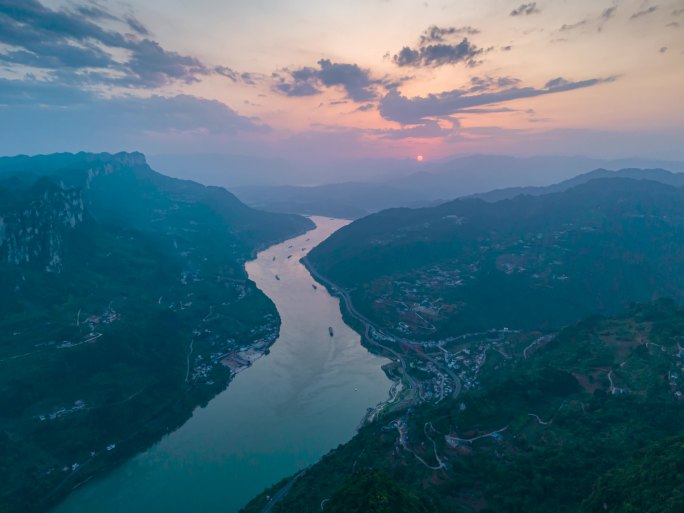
276,417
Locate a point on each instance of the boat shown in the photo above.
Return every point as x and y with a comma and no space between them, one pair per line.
330,330
289,256
314,286
274,259
277,277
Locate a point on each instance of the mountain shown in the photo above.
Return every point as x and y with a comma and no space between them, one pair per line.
123,290
343,200
355,188
528,262
656,175
476,174
355,200
229,171
590,420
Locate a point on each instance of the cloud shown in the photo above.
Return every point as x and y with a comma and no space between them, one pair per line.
236,76
572,26
435,34
487,83
309,81
137,26
416,110
439,46
435,50
644,12
42,116
525,9
606,15
36,36
429,129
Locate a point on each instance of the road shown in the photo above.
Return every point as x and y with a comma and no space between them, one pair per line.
281,493
368,326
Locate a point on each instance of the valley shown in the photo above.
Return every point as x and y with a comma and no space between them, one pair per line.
117,313
277,416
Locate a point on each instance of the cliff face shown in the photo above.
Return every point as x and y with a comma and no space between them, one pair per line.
32,233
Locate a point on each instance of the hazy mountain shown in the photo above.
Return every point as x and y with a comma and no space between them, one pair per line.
109,271
482,173
231,171
443,179
345,200
228,170
656,175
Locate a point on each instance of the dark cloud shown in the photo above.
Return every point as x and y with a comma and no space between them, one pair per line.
434,55
137,26
608,13
42,116
366,107
309,81
236,76
439,46
435,34
429,129
53,39
297,89
644,12
566,27
413,111
153,66
525,9
487,83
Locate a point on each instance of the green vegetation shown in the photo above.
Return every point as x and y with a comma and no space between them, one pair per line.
652,481
548,433
526,263
374,492
122,292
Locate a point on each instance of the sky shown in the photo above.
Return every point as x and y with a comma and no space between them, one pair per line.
334,80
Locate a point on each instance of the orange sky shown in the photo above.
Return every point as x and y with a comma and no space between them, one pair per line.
496,76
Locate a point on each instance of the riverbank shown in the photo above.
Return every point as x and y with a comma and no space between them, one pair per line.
279,416
395,371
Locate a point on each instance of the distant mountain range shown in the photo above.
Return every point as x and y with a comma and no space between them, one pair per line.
489,177
481,173
656,175
344,200
121,290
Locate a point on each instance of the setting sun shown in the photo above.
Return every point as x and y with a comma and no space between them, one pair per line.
420,158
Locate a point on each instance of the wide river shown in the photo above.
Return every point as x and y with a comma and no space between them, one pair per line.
276,417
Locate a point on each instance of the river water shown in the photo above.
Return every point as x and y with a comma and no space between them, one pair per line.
276,417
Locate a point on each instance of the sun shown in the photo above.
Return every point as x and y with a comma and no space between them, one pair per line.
420,158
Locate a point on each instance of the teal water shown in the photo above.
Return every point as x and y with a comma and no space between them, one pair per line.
276,417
